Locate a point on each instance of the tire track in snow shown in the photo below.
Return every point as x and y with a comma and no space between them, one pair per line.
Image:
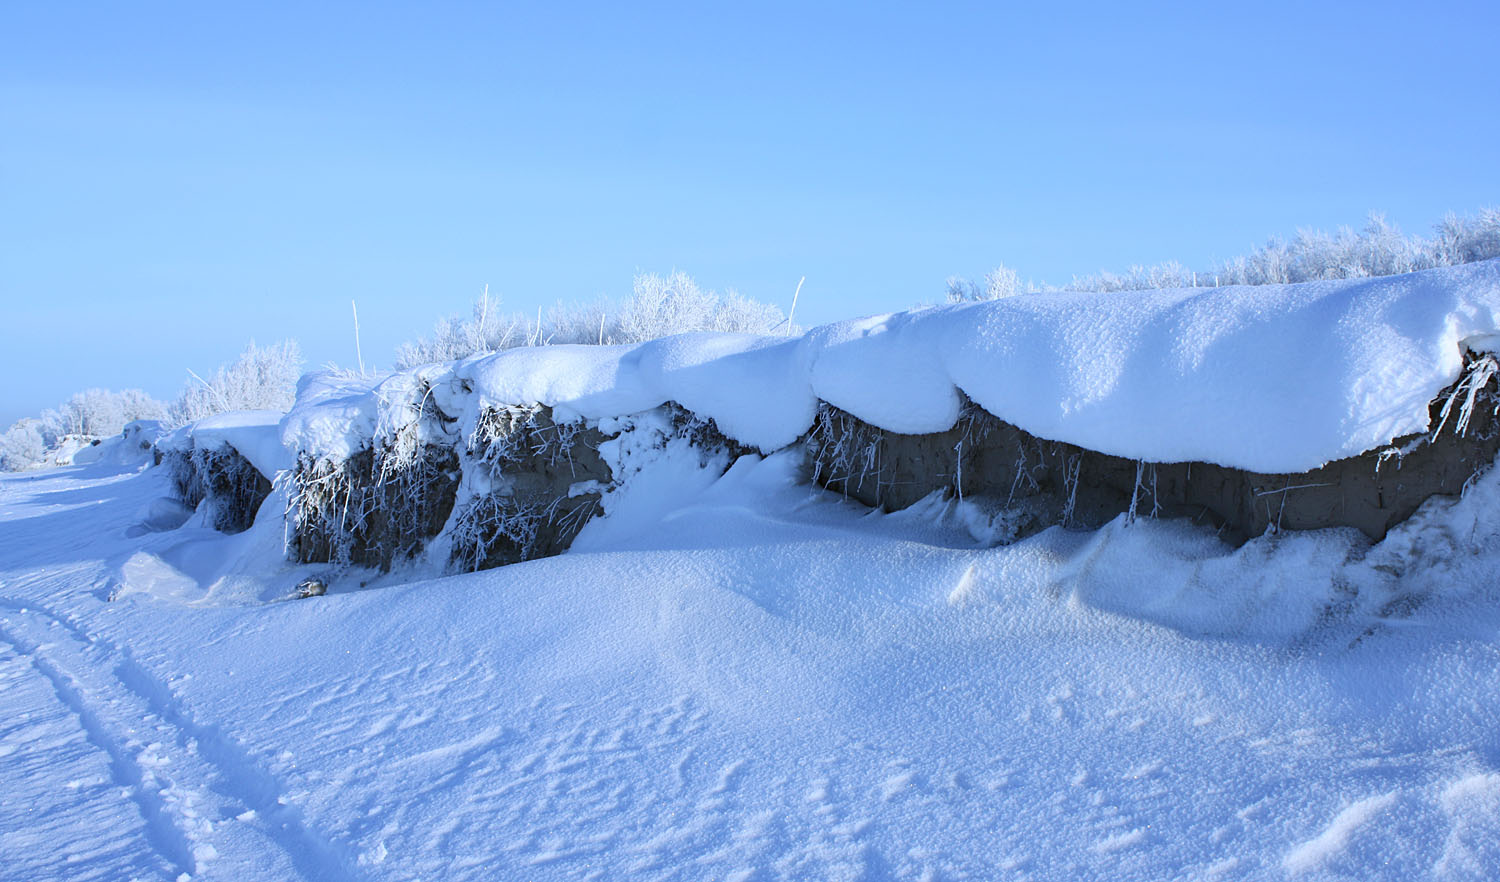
162,831
232,771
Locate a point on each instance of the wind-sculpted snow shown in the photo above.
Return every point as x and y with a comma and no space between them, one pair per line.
335,414
1271,378
254,434
1275,378
738,676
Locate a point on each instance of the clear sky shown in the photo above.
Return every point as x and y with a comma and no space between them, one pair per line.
181,178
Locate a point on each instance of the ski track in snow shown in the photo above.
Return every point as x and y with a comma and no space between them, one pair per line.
732,722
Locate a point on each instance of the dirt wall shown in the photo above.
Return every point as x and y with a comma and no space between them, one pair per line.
233,488
1034,483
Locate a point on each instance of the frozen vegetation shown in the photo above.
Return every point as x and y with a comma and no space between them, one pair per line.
1377,249
271,656
657,307
263,377
1271,378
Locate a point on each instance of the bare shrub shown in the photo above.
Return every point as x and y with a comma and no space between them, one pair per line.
1377,249
658,306
262,378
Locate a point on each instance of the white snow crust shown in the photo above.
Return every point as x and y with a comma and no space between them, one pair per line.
738,676
335,414
1274,378
254,434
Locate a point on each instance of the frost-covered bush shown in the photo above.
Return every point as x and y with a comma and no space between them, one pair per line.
1467,240
487,330
1002,281
90,415
658,306
262,378
1378,249
592,322
99,413
23,445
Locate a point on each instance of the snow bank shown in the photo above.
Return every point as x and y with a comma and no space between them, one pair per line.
1272,379
755,388
334,415
254,434
1277,378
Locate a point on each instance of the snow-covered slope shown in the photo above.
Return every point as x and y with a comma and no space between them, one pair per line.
736,675
1274,378
745,678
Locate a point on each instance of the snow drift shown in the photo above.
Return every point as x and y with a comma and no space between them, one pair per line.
227,462
1279,406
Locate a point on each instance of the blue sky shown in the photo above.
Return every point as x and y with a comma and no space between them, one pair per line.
181,178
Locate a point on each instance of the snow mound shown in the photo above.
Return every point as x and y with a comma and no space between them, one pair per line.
254,434
1270,379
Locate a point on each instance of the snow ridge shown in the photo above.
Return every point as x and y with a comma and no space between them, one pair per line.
1272,379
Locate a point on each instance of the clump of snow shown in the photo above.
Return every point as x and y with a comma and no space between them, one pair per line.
334,415
254,434
755,388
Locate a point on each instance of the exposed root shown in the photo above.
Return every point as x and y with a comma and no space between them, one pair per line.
532,483
1475,380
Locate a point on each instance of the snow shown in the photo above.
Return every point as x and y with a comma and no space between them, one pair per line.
751,386
733,674
254,434
1272,378
335,414
745,677
1311,855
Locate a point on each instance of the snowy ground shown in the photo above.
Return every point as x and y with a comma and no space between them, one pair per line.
747,679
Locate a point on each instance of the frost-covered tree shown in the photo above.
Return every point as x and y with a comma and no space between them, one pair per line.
92,413
658,306
23,445
99,413
1379,248
262,378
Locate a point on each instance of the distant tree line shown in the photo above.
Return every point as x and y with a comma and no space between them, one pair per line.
262,378
265,378
1377,249
657,307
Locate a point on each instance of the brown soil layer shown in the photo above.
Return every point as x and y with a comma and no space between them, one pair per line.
364,511
537,461
1036,483
233,487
